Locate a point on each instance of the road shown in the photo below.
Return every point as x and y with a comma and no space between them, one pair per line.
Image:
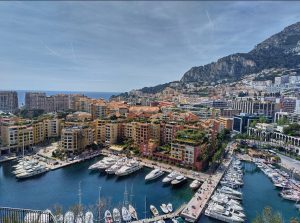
289,162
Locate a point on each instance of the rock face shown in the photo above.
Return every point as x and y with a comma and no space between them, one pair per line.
281,50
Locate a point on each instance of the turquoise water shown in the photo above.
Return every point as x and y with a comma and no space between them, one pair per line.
61,187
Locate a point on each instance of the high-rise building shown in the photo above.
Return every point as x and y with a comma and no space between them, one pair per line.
8,101
35,100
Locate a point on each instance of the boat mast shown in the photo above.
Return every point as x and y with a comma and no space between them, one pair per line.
145,212
126,196
131,195
79,194
99,204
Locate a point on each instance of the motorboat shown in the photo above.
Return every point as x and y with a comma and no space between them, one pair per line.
170,207
228,190
129,168
59,218
95,165
161,221
108,217
106,163
126,214
195,184
179,179
223,199
89,217
291,195
237,213
218,212
174,220
164,208
154,174
45,217
153,210
170,177
116,166
117,215
69,217
132,212
33,172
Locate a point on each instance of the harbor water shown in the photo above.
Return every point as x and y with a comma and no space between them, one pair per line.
61,187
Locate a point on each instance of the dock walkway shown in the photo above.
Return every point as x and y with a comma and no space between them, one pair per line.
197,204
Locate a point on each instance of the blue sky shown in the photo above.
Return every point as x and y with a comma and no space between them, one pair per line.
119,46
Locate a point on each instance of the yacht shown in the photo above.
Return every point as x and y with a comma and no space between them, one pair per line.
218,212
106,163
153,210
195,184
116,166
297,206
79,218
117,215
129,168
69,217
125,214
89,217
174,220
164,208
290,195
170,207
223,199
33,172
170,177
154,174
179,179
108,217
95,165
228,190
237,213
132,212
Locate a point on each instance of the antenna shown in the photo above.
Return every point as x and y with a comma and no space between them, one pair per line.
99,204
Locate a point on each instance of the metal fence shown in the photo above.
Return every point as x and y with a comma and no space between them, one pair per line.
16,215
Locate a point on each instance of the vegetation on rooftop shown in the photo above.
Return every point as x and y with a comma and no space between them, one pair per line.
191,136
292,130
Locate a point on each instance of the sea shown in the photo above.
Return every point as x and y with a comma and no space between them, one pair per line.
61,187
90,94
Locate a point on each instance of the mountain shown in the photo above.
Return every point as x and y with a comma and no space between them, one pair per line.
281,50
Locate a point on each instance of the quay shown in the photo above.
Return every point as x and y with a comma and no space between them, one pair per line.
198,202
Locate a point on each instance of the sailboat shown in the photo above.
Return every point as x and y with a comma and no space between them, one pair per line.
89,217
125,213
69,217
108,217
131,209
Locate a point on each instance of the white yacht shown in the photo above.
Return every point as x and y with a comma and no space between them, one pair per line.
223,199
154,174
195,184
33,172
106,163
218,212
170,177
228,190
108,217
116,166
164,208
129,168
95,165
291,195
132,212
89,217
126,215
170,207
153,210
117,215
179,179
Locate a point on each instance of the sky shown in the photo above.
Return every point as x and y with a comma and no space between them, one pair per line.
119,46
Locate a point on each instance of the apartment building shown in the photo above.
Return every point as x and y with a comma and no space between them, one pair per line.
168,131
253,106
288,105
15,137
38,132
8,101
225,123
61,102
52,127
111,133
75,139
35,100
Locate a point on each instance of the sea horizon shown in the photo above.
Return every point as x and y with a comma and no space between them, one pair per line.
90,94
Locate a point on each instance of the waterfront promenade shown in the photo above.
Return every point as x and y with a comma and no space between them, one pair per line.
197,204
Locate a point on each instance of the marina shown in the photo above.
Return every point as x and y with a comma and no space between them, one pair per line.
161,178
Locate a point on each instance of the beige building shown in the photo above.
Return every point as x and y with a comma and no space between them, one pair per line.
76,139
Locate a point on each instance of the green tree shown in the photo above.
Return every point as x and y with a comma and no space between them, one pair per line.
268,216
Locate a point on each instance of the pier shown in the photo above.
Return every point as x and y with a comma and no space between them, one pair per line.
198,202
